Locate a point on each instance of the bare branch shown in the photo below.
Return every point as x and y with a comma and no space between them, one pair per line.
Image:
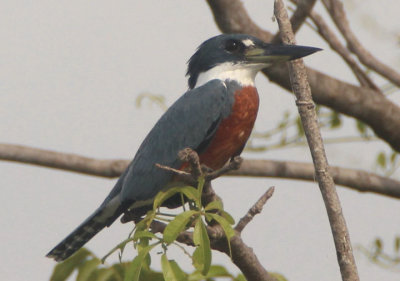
185,176
231,17
365,104
338,15
233,165
309,120
330,37
299,16
63,161
254,210
304,7
355,179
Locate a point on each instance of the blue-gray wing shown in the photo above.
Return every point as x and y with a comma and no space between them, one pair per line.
190,122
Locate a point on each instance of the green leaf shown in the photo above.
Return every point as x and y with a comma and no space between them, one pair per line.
299,125
200,185
218,271
133,272
227,216
143,234
177,225
64,269
189,191
87,268
378,247
157,99
120,247
150,275
361,127
144,224
335,120
284,123
202,254
393,157
381,159
214,205
397,244
120,270
102,274
215,271
140,246
164,195
226,226
171,270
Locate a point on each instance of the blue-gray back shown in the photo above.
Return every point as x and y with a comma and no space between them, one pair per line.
189,122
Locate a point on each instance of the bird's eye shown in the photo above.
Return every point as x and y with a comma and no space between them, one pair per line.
233,46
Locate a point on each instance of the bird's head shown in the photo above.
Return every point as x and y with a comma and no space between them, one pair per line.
238,57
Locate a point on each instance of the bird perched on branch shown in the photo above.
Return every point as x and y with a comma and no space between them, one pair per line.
214,118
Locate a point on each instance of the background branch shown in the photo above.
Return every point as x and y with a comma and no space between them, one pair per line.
298,17
329,36
352,178
309,120
338,15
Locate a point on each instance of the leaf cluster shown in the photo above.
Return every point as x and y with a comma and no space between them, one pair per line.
289,132
194,219
378,254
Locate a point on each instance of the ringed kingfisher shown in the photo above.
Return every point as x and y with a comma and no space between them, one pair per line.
214,118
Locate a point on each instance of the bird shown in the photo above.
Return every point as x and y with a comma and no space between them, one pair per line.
214,118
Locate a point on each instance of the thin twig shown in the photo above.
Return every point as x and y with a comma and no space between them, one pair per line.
233,165
182,175
309,120
254,210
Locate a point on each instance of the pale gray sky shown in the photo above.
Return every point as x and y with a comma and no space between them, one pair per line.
70,72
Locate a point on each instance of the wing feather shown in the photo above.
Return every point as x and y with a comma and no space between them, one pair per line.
190,122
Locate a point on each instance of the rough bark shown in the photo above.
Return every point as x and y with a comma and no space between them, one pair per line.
355,179
308,116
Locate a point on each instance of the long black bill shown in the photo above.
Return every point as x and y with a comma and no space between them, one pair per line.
270,53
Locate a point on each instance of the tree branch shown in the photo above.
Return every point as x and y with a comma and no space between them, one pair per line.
355,179
63,161
362,103
338,15
309,120
352,178
299,16
254,210
329,36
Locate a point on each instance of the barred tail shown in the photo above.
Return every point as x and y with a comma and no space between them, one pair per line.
102,217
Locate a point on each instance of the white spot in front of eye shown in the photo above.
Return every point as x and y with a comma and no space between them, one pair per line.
248,42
